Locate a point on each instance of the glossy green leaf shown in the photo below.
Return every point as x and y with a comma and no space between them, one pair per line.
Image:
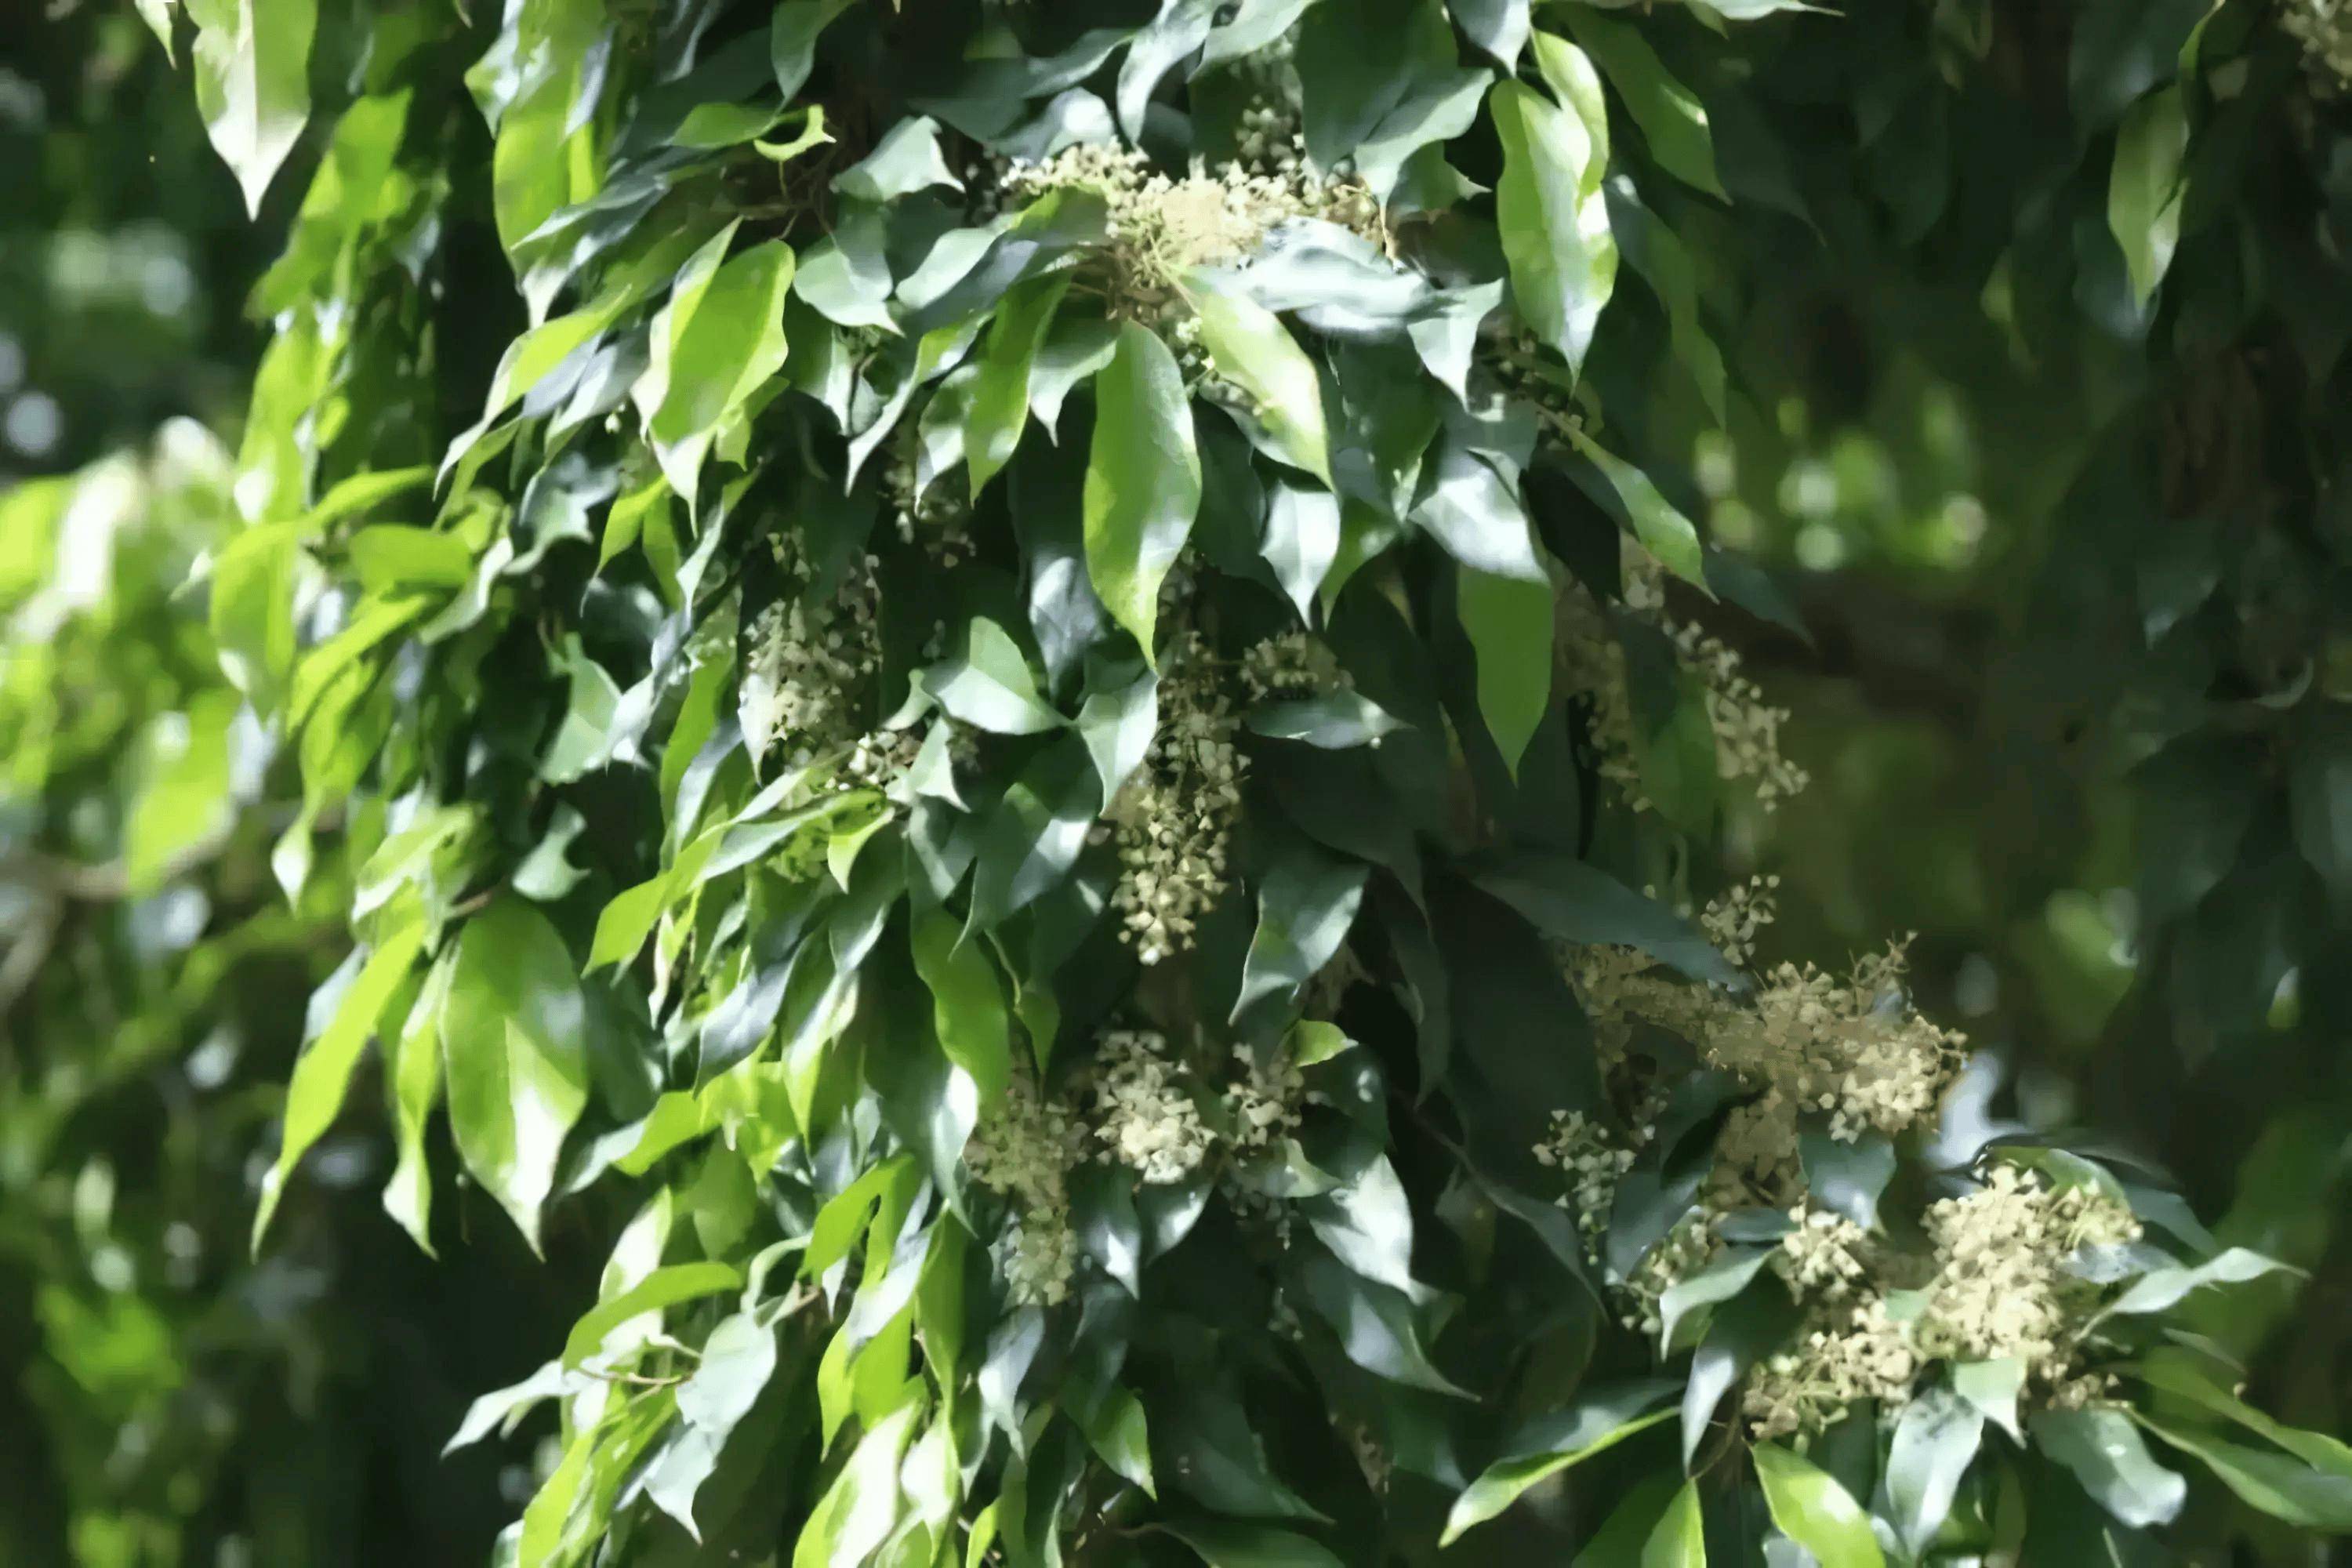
1554,221
2162,1288
1335,721
1228,1543
998,409
719,338
2144,189
907,160
2105,1453
1118,722
1596,1423
1672,119
1679,1540
792,37
968,1002
1814,1512
513,1055
414,1065
858,1511
662,1289
322,1073
1630,496
987,685
1120,1436
1509,624
252,62
185,804
1249,347
1847,1176
2281,1485
1936,1439
1306,901
1570,900
1143,480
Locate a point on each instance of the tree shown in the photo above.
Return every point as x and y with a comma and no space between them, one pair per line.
1063,708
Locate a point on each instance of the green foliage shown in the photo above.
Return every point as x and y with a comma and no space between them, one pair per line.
1265,1124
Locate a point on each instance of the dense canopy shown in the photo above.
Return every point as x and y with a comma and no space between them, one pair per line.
1066,739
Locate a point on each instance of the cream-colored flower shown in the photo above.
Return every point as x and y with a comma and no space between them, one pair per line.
1143,1113
2324,28
1591,663
2002,1286
1173,820
1594,1164
1294,665
1856,1351
1823,1256
1266,1102
1025,1148
1038,1253
1162,228
810,681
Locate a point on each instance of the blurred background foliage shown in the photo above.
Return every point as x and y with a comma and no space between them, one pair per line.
2056,700
167,1399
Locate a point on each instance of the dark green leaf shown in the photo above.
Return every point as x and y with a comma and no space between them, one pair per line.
989,685
2104,1450
1936,1440
1597,1422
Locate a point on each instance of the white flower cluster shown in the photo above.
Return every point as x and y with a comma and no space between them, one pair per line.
1745,728
1160,228
1265,1104
1847,1047
1823,1256
1594,1163
2324,28
1141,1109
1622,986
812,662
1025,1148
1294,665
938,519
1690,1247
1144,1116
1996,1283
1854,1351
1173,818
2001,1285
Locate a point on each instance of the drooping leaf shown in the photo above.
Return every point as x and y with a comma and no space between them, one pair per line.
1936,1440
253,82
1814,1512
1143,480
2105,1453
1594,1424
1554,221
322,1074
1509,623
1249,347
2144,194
987,685
1672,119
1679,1541
513,1054
968,1004
661,1289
